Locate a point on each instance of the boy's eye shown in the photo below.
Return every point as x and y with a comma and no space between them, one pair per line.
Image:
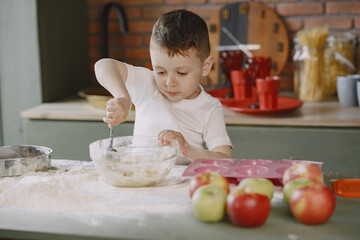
182,73
160,73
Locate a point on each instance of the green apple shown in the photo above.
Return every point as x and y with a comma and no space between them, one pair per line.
257,185
209,203
293,185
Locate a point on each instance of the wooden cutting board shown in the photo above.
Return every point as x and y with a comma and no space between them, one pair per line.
251,23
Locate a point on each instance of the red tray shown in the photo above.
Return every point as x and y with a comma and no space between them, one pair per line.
243,106
237,169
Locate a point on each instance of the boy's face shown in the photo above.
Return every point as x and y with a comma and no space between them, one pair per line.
177,77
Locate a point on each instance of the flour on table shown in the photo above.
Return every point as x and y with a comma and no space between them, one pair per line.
76,187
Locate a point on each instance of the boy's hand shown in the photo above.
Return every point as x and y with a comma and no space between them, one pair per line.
190,152
117,110
167,135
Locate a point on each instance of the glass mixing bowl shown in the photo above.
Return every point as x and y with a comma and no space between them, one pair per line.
139,161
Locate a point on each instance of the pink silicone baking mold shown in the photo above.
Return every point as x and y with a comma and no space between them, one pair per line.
237,169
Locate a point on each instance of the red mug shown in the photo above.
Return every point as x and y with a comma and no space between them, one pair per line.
241,84
268,92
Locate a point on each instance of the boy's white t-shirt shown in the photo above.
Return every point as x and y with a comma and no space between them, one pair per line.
200,120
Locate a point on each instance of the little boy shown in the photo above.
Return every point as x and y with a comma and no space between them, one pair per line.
169,101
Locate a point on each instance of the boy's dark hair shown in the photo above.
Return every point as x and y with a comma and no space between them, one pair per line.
180,30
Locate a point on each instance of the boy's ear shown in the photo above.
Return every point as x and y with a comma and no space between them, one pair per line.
207,65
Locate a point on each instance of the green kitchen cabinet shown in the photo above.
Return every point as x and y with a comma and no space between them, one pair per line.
70,139
338,148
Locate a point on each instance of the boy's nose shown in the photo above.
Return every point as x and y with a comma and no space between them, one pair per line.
170,81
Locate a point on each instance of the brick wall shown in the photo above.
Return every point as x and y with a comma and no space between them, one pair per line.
339,15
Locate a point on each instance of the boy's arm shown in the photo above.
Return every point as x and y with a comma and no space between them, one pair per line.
112,75
223,151
186,150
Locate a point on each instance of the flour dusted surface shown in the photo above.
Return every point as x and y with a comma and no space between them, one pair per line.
74,186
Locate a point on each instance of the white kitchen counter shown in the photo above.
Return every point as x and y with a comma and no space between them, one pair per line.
158,212
72,199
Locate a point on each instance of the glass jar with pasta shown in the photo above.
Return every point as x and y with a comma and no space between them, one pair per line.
339,58
310,82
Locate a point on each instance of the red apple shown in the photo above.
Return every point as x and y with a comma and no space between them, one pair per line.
303,170
313,204
207,178
247,209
